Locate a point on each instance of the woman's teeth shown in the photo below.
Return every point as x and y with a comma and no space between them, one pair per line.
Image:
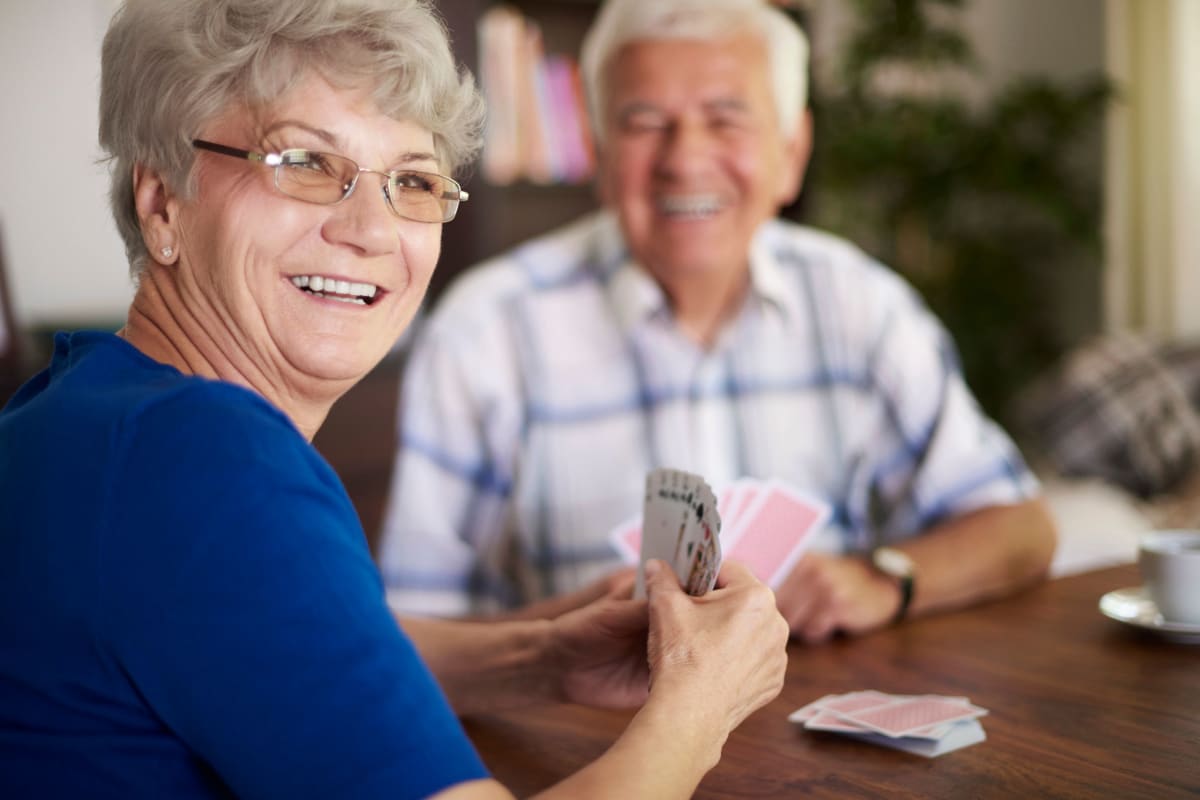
361,293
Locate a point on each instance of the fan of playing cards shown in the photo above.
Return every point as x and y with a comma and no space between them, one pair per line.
765,525
682,528
927,725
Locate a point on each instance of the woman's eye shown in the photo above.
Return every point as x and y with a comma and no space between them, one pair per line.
414,182
312,162
318,163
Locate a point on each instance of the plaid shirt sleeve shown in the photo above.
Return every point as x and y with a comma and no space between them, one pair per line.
445,528
941,456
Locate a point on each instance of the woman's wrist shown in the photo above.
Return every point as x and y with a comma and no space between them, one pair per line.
686,720
489,666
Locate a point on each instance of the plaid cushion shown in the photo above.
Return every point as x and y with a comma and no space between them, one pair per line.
1115,409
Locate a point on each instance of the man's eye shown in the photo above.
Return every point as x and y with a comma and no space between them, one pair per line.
642,123
725,122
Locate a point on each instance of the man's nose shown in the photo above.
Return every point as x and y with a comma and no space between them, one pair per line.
686,147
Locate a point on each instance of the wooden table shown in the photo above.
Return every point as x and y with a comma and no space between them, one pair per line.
1081,706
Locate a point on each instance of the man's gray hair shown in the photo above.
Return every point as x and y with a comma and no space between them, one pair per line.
621,22
169,67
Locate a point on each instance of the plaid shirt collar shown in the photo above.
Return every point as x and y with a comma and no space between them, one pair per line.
636,297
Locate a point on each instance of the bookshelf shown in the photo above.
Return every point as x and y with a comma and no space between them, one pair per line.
498,217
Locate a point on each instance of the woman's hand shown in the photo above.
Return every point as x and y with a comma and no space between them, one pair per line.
600,650
725,652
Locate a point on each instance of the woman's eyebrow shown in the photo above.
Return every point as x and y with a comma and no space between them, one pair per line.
326,136
336,144
408,158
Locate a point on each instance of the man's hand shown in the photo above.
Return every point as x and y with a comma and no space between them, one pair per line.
824,594
987,553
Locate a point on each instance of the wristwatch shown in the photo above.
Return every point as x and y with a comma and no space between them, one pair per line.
898,566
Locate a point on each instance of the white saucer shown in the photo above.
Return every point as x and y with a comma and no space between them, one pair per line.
1133,606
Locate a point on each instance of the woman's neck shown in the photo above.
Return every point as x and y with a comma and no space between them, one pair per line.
164,329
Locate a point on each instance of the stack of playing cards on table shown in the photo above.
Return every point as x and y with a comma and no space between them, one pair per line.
682,528
927,725
765,525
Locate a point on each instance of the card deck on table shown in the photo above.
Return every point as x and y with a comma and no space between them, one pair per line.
903,717
680,526
766,525
927,725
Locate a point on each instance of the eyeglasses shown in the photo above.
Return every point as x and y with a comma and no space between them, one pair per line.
328,179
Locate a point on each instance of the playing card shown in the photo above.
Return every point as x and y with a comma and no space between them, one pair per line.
701,553
841,713
957,736
626,539
704,554
680,526
735,499
903,717
767,526
855,701
829,721
774,531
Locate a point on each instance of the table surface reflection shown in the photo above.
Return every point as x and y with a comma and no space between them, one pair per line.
1080,706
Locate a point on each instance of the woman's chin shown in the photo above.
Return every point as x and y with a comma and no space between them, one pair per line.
341,362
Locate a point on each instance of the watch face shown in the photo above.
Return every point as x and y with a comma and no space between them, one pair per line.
892,562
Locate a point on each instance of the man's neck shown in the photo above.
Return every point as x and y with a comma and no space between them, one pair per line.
702,305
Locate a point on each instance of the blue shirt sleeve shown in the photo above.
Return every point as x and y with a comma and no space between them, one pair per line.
239,598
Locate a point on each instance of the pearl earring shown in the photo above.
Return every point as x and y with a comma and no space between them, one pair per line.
166,252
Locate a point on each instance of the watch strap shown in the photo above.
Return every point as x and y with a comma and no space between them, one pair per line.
905,583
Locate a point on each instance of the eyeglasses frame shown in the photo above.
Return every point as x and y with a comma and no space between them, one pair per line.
275,161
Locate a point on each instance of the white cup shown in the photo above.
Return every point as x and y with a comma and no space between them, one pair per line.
1170,566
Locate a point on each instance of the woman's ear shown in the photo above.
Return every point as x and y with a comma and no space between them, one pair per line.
157,213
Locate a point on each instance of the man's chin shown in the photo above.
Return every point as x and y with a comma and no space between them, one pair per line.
694,264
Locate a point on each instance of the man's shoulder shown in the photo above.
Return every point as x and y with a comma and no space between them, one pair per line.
803,246
837,272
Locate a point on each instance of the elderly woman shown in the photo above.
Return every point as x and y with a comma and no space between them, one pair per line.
187,603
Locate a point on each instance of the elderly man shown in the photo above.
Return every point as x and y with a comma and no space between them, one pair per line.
684,326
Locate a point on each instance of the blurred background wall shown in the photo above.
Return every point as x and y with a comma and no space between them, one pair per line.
65,264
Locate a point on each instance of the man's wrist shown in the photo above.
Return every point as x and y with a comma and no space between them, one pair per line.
897,567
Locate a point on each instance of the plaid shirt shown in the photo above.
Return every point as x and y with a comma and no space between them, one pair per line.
551,380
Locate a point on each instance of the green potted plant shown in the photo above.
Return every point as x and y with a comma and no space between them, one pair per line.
982,206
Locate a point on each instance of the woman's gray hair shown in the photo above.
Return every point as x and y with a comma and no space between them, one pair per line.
621,22
169,67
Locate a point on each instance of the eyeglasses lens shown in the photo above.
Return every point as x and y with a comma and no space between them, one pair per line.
315,177
326,178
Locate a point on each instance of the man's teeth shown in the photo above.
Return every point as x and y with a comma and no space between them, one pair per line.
345,291
690,205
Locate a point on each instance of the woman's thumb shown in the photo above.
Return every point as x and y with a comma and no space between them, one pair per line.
660,578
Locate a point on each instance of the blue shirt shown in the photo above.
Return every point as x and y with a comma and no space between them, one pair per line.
187,604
